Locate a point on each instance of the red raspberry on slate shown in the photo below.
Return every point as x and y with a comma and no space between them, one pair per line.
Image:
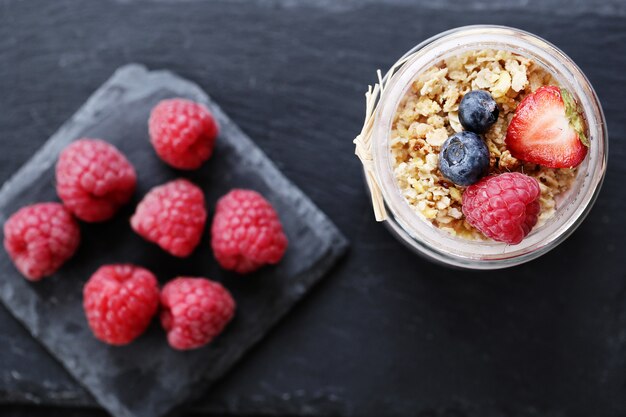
40,238
246,232
504,207
94,179
182,132
119,302
194,311
172,215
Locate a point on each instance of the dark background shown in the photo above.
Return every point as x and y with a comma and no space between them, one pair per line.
386,333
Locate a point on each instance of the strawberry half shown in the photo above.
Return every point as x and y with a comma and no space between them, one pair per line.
547,129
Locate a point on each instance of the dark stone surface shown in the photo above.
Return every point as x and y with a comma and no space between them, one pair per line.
147,378
387,333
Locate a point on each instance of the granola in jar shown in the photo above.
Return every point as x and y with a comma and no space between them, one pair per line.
429,113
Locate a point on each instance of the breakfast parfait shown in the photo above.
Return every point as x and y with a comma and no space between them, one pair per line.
483,147
483,144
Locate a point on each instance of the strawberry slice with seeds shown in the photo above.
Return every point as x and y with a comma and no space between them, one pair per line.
548,129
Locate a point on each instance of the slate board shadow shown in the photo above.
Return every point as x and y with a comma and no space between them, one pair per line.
147,378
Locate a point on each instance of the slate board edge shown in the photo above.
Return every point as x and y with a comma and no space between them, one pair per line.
329,261
40,162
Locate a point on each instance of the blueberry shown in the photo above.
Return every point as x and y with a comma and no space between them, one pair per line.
478,111
464,158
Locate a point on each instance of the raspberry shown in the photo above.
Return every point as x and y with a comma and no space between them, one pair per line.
246,232
94,179
503,207
182,132
194,311
172,215
119,302
40,238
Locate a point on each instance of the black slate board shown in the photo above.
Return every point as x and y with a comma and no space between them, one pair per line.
147,378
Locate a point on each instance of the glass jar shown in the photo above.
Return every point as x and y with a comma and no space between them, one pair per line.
373,148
